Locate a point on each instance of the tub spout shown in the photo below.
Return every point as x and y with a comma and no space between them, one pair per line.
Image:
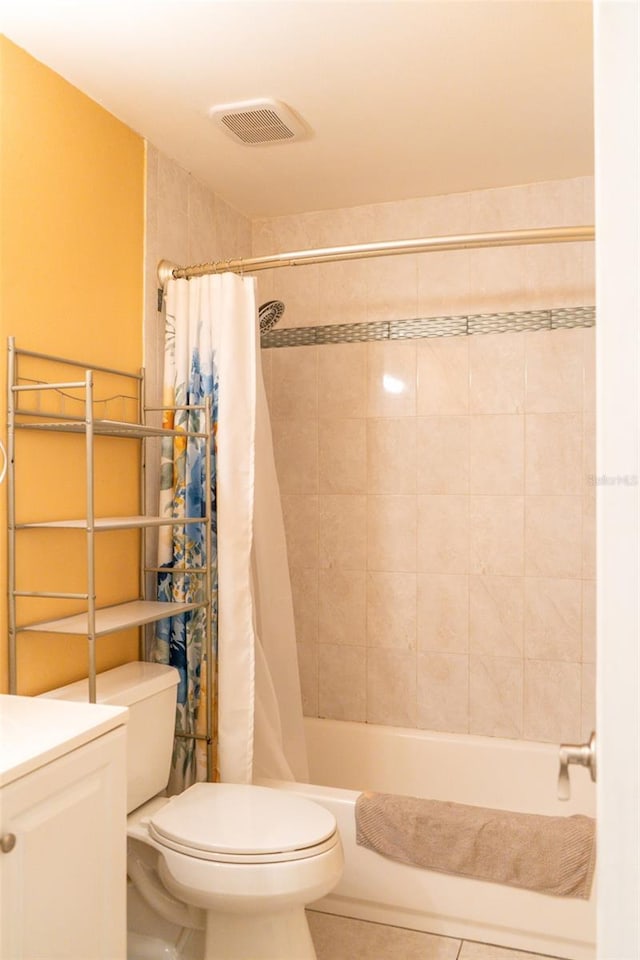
581,753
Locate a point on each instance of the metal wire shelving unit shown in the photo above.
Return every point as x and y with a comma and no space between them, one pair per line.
37,403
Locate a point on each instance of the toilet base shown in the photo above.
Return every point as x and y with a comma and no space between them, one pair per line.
264,936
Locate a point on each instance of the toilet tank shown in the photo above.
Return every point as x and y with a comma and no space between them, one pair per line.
149,690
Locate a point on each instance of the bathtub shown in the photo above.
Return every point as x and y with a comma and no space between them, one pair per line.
346,758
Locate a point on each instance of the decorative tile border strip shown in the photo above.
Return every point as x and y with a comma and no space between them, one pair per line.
518,321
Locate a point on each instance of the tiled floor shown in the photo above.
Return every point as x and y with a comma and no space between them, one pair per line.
339,938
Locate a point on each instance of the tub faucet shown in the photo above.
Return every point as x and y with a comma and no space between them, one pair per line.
582,753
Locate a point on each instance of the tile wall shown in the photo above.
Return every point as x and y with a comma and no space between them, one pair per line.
437,493
185,223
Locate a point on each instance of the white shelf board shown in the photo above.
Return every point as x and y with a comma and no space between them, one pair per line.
111,619
104,428
112,523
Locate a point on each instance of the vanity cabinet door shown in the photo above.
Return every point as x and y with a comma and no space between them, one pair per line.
63,877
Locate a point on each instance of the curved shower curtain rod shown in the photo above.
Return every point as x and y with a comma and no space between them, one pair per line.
298,258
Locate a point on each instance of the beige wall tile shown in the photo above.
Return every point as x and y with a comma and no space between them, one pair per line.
342,682
589,198
342,455
295,446
233,231
442,452
553,619
202,232
496,616
443,215
342,380
443,283
589,273
308,669
443,534
391,455
343,532
342,607
443,376
443,692
588,453
392,288
391,610
301,523
498,280
555,274
496,454
395,220
330,228
443,613
173,186
395,488
295,383
496,541
552,701
554,371
496,373
500,208
495,696
588,621
265,290
391,533
554,453
290,232
553,537
589,364
391,379
589,537
173,235
262,242
563,202
391,687
304,591
588,705
343,293
299,290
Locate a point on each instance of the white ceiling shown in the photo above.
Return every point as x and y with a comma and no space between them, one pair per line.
404,98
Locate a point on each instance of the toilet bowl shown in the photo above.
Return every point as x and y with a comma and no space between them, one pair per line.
248,859
238,862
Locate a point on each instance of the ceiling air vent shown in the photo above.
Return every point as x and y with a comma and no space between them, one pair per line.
258,122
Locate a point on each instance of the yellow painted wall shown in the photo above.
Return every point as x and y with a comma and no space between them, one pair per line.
71,273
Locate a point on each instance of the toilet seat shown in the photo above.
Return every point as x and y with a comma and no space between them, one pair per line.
241,823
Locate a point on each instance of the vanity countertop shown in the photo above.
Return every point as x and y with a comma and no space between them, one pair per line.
36,730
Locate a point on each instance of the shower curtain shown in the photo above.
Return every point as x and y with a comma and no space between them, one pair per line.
212,349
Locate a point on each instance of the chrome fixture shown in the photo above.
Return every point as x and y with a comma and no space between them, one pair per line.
297,258
581,753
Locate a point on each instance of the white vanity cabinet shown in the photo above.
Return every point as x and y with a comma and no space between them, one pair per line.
62,830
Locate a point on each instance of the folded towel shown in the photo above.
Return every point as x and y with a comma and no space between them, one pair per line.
554,855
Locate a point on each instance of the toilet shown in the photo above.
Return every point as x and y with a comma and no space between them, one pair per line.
238,862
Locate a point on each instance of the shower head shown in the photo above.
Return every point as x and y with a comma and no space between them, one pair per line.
269,314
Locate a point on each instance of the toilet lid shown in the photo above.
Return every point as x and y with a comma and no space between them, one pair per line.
225,821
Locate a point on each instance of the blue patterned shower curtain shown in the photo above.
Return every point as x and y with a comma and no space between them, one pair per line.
190,376
212,350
